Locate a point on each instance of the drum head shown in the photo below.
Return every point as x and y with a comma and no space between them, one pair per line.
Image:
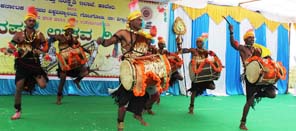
253,72
126,74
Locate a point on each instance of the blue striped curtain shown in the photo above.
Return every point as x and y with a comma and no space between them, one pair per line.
283,55
7,86
199,26
261,35
172,47
233,82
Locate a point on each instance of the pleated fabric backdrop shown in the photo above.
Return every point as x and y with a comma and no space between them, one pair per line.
219,42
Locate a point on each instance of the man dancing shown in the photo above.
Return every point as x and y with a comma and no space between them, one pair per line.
134,43
252,91
197,88
68,44
27,46
154,96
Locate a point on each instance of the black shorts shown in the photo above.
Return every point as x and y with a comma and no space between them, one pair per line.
135,104
200,87
259,91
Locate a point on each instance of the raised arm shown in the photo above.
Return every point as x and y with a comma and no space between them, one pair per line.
113,40
233,42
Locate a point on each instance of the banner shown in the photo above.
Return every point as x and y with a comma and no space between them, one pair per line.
95,19
92,16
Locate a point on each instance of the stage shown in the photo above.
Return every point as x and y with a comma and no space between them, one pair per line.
90,86
99,113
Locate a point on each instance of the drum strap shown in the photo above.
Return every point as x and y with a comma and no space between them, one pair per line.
133,45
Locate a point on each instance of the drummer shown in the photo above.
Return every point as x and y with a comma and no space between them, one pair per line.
252,91
134,43
162,51
27,46
154,97
197,53
68,42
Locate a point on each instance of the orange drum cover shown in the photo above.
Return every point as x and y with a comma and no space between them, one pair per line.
201,70
148,71
263,71
71,58
175,61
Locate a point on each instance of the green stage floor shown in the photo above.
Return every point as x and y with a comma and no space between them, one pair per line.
93,113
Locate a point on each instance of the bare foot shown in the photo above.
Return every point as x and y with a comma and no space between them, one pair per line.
16,115
242,126
150,112
140,118
158,101
191,110
59,100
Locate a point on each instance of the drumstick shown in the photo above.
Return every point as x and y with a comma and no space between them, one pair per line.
226,20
